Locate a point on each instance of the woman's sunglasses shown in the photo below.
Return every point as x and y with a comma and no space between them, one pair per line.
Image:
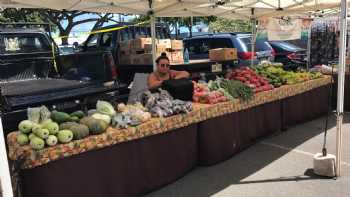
165,65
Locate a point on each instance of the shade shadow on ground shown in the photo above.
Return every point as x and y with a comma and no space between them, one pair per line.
257,165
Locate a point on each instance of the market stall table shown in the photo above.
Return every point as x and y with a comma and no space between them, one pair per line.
222,137
306,106
346,92
267,113
132,168
137,160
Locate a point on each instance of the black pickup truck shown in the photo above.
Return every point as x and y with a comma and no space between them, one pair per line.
108,41
29,78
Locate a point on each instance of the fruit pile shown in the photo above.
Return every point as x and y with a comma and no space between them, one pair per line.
202,94
277,76
46,128
250,78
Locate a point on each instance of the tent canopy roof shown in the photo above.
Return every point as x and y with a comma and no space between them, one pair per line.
242,9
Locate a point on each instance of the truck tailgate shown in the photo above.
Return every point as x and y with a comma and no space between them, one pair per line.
38,86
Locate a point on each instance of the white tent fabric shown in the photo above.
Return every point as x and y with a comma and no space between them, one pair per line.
242,9
11,4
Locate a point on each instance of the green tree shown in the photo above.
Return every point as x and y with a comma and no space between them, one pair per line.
229,25
12,15
188,22
63,21
176,22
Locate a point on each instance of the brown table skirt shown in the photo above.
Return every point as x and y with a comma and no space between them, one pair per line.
222,137
127,169
305,107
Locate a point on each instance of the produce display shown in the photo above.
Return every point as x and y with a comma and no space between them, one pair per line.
277,76
132,115
202,94
221,90
47,128
250,78
162,104
33,158
232,89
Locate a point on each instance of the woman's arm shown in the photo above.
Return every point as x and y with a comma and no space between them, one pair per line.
179,74
153,82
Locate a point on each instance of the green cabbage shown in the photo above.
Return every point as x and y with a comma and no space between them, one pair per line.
103,117
39,114
105,107
34,114
45,114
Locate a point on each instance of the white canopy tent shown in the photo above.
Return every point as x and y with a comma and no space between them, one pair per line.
182,8
241,9
11,4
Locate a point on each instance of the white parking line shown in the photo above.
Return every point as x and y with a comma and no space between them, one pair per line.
296,151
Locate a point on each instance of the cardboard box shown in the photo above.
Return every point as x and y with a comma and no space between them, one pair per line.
124,52
146,59
177,45
159,48
124,47
140,43
223,54
165,42
135,59
124,59
141,59
347,61
148,48
137,51
125,44
176,57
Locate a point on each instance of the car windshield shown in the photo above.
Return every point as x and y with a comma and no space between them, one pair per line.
286,45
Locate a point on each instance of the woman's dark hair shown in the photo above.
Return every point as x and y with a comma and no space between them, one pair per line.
163,56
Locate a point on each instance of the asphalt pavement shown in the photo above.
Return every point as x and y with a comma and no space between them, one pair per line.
278,166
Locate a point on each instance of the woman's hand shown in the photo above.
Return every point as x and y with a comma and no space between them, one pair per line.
179,74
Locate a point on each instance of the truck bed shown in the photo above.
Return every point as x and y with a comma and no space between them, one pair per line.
37,86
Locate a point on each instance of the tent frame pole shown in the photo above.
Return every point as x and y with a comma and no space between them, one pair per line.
5,177
308,65
153,35
253,21
341,83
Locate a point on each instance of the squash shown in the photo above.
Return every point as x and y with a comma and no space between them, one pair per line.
67,125
97,126
80,131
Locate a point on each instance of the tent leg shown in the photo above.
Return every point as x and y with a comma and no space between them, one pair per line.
5,177
308,65
253,41
153,34
341,82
